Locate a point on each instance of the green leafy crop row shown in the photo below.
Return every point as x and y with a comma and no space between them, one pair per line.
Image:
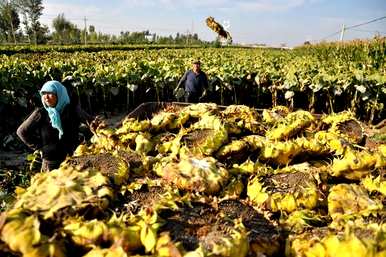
322,78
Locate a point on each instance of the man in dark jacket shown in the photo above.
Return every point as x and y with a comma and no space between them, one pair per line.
195,82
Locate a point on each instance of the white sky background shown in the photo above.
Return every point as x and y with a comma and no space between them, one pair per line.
274,22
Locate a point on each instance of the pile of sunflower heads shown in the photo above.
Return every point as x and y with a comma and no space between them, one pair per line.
309,178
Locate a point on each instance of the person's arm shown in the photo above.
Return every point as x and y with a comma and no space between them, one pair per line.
205,86
182,80
27,130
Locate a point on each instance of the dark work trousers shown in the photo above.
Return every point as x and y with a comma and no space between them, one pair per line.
191,97
50,165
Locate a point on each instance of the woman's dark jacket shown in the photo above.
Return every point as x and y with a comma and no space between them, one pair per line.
38,134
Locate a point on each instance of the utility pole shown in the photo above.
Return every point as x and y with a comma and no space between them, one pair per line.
342,33
192,28
85,30
191,33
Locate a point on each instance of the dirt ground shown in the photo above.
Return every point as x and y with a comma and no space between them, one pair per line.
14,158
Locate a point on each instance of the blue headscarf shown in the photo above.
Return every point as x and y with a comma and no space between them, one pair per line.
63,99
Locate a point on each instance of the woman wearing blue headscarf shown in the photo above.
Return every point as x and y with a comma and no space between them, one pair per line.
53,129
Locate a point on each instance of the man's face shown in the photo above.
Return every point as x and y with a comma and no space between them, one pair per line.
196,67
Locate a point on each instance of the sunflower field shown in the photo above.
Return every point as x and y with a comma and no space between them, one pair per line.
282,159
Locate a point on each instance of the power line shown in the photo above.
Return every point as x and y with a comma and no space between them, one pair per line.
365,23
333,34
370,31
353,26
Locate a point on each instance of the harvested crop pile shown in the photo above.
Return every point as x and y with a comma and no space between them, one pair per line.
204,180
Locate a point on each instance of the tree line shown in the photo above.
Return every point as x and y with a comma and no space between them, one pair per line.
19,23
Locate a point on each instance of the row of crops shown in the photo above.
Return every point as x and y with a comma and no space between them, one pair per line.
322,79
11,49
206,180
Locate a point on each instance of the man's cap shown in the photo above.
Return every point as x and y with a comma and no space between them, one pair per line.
196,61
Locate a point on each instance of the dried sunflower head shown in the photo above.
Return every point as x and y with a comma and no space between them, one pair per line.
201,141
284,191
22,233
66,189
199,174
275,114
347,200
293,123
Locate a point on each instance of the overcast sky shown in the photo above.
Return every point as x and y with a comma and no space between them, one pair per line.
268,22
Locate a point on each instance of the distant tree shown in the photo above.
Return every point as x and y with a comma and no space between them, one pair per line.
9,21
136,37
105,38
112,38
32,11
216,43
35,10
40,34
75,34
124,37
92,36
91,29
23,11
3,27
61,29
65,31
